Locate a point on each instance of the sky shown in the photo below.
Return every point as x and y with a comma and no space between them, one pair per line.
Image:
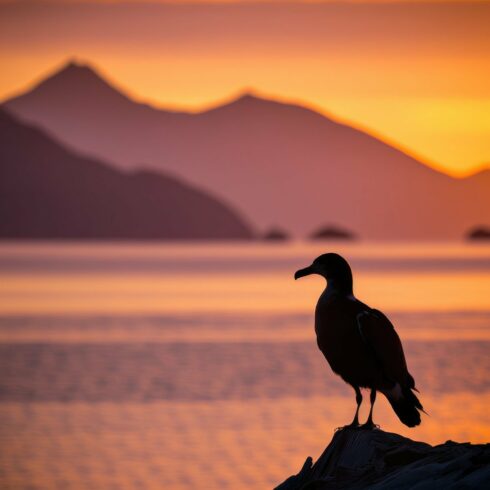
415,73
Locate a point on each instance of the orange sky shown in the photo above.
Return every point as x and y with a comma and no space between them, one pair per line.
416,73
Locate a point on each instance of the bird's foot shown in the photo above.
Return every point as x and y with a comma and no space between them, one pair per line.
369,426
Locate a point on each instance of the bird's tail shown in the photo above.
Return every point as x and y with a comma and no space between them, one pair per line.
405,404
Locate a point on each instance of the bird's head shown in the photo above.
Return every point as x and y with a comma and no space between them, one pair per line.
334,268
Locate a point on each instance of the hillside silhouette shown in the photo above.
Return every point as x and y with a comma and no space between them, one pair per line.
276,162
47,191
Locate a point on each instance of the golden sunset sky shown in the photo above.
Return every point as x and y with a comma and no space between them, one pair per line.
415,73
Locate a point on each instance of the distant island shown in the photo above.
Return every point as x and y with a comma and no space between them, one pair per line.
331,232
49,192
479,233
275,235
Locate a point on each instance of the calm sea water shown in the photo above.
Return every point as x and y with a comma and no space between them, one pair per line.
195,366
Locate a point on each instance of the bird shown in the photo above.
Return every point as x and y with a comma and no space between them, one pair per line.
360,343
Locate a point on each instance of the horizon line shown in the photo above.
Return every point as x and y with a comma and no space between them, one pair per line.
233,2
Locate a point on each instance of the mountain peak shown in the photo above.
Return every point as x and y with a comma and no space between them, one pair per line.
75,79
75,66
250,102
247,100
77,72
248,96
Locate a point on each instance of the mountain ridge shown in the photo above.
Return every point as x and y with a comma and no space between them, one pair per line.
244,96
75,69
241,97
277,162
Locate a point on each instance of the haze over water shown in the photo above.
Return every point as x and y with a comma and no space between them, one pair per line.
195,366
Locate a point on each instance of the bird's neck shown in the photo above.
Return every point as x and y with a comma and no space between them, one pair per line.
339,286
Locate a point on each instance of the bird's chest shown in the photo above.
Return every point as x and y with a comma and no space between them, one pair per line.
336,331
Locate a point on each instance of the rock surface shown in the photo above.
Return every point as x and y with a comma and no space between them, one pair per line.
374,459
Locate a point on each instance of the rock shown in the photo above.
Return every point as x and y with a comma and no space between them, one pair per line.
374,459
332,233
479,233
276,235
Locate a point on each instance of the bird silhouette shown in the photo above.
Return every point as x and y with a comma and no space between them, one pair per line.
360,343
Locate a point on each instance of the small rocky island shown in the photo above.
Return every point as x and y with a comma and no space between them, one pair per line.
374,459
479,233
276,235
332,232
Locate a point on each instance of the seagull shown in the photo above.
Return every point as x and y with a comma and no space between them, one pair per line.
361,344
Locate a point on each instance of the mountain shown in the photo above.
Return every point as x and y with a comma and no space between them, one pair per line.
278,163
47,191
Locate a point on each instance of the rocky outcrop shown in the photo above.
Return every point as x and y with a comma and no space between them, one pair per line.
374,459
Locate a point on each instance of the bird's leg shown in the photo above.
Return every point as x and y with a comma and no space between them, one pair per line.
355,422
369,423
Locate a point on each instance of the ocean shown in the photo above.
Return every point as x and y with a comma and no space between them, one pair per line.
179,366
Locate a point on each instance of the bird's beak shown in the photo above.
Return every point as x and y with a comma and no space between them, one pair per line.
304,272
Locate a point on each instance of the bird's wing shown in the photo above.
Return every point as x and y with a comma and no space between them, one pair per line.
382,340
